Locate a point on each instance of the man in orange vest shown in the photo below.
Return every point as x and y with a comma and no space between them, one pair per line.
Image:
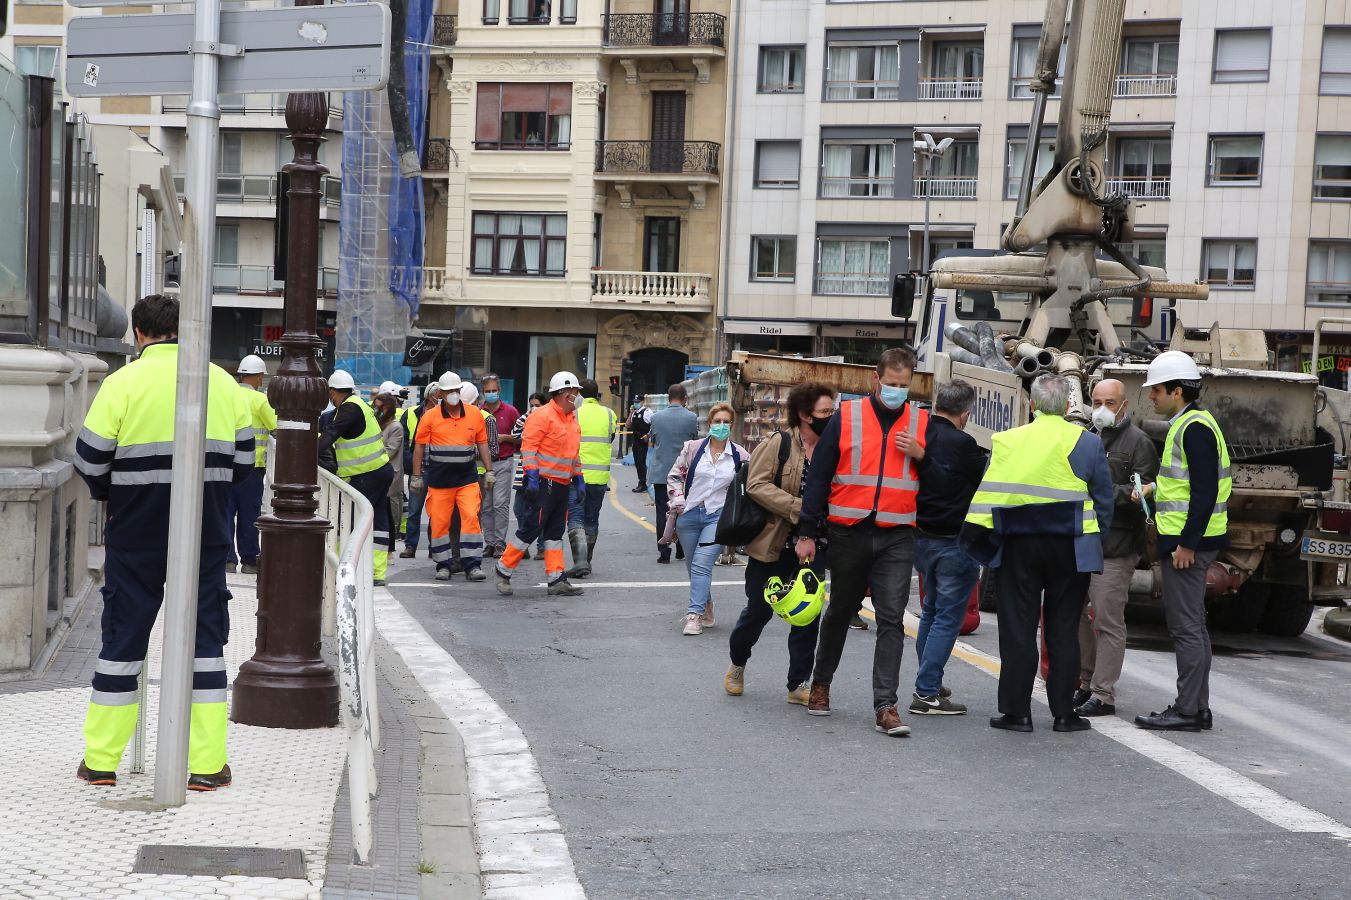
864,479
550,446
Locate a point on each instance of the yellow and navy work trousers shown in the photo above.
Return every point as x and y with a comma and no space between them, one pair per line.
445,504
374,486
133,591
544,519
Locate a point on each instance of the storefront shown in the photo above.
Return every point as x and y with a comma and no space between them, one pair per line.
237,332
761,336
863,344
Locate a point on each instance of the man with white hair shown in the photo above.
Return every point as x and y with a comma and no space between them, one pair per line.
1037,520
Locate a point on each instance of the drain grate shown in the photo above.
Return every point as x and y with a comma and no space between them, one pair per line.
258,862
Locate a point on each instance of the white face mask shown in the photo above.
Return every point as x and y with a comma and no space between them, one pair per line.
1103,417
577,401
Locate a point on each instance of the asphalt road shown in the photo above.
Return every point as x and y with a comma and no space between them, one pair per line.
667,787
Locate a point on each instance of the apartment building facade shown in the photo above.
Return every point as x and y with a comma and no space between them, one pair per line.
574,186
1231,131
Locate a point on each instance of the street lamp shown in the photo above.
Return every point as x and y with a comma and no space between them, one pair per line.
926,147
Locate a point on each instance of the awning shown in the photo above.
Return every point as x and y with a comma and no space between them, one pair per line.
948,129
1139,127
760,326
952,29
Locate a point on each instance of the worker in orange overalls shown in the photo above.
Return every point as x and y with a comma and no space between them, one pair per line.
451,440
550,446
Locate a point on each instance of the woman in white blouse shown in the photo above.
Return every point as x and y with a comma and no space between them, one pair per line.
697,487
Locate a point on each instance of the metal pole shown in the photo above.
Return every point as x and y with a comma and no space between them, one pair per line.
928,191
138,737
194,356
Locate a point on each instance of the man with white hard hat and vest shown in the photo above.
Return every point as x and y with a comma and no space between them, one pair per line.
125,454
1190,501
597,424
246,498
549,448
358,445
452,442
1037,521
861,496
469,397
417,499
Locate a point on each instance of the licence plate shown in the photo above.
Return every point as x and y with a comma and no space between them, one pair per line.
1318,547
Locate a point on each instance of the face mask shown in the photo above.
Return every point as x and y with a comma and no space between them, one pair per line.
819,424
491,397
720,431
1103,418
893,397
577,401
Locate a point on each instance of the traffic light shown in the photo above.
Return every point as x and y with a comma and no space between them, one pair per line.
903,295
614,386
626,378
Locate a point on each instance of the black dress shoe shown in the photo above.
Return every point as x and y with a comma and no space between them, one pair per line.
1071,723
1081,697
640,489
1011,723
1169,720
1207,720
1094,707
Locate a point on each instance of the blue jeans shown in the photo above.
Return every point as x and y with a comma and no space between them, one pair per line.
948,575
584,507
697,528
416,500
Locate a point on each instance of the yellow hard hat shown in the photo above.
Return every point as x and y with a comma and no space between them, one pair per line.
799,602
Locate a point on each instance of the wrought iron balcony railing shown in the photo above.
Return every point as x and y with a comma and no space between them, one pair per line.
658,157
665,29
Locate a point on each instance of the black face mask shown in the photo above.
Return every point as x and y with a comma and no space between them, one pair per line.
819,425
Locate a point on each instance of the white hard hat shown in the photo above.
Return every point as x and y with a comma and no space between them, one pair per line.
251,365
449,381
468,393
562,381
341,381
389,387
1172,365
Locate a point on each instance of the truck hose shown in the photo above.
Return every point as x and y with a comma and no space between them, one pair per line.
991,348
963,337
966,357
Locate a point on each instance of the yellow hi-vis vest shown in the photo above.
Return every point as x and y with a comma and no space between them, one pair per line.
479,468
1173,488
365,453
598,433
264,423
1031,465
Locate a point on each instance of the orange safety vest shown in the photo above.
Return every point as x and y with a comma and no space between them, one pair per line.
873,478
551,442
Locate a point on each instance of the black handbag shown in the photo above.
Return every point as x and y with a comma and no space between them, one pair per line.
742,519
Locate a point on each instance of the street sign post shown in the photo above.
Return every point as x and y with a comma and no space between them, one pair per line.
205,53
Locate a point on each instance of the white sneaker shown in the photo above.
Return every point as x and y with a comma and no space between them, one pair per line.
707,620
693,625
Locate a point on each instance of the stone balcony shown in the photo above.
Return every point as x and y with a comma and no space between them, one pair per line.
674,291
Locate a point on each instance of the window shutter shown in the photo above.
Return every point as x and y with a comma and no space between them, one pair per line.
1243,51
560,99
1337,51
1238,147
488,129
526,98
1332,150
779,162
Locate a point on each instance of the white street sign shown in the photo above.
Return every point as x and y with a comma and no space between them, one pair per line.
295,49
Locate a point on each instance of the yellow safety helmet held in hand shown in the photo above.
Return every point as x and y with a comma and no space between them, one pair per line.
799,602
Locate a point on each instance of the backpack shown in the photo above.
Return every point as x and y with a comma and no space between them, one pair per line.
742,519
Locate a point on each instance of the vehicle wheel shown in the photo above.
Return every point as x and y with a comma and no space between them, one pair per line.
1243,612
1289,611
988,601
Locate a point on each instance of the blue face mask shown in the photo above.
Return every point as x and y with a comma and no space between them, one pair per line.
491,396
720,432
893,397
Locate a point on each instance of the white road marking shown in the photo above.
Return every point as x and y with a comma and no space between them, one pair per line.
1220,780
584,584
522,850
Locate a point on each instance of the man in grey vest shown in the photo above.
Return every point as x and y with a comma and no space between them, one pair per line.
670,429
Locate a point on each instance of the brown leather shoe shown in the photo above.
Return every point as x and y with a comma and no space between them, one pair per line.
819,703
889,722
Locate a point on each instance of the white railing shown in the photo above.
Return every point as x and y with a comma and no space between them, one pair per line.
945,188
1156,85
611,286
851,284
1144,188
847,186
950,88
433,280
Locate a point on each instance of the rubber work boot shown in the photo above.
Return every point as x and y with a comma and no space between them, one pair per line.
734,682
561,588
102,779
581,566
591,546
210,782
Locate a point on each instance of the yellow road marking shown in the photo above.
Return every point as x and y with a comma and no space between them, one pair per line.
961,650
614,501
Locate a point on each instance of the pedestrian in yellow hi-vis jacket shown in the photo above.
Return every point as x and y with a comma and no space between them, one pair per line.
125,455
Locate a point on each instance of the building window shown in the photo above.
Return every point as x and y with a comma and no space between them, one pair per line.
781,69
526,244
523,116
1242,55
853,267
1229,264
1330,272
567,12
777,164
491,10
858,170
773,258
1025,65
1147,251
1144,167
956,71
952,176
528,12
597,232
1332,167
1148,67
40,59
1017,154
863,72
1336,69
1235,160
